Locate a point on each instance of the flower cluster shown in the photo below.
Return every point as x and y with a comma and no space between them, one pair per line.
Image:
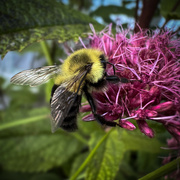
151,61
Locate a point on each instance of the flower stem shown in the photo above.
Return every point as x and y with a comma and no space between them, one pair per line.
80,138
23,121
46,52
87,160
162,171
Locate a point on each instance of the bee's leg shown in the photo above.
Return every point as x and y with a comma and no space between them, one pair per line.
115,79
98,117
112,79
102,121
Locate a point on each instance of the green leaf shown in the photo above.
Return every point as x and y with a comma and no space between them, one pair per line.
105,163
96,136
31,147
106,11
28,176
148,160
167,9
45,176
35,153
25,22
77,162
90,156
22,121
136,141
162,171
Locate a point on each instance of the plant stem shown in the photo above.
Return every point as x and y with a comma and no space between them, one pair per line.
45,49
147,13
162,171
22,121
87,160
80,138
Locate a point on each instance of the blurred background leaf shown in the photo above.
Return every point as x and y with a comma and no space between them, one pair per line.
106,11
33,148
170,9
23,23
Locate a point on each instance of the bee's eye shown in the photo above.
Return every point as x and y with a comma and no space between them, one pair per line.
103,60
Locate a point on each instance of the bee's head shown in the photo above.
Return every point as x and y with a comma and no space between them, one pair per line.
103,60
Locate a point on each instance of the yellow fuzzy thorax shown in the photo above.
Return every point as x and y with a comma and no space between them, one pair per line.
79,59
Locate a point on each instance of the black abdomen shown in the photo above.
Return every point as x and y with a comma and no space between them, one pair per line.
70,122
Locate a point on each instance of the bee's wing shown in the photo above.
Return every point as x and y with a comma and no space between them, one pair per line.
61,103
63,99
35,77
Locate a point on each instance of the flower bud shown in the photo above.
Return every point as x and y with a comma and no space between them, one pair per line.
144,128
154,91
89,117
127,125
151,114
85,108
163,106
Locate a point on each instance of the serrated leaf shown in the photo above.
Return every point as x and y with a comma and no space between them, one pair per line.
167,9
22,122
25,22
140,142
36,153
31,147
105,162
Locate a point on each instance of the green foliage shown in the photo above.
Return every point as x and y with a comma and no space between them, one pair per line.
110,155
77,162
105,162
169,9
138,142
162,171
28,176
106,11
80,4
37,153
36,150
23,23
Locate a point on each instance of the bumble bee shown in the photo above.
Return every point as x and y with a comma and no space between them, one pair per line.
81,73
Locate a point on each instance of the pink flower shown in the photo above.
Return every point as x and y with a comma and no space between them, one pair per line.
151,60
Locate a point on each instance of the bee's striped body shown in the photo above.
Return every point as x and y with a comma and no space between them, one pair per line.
81,72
